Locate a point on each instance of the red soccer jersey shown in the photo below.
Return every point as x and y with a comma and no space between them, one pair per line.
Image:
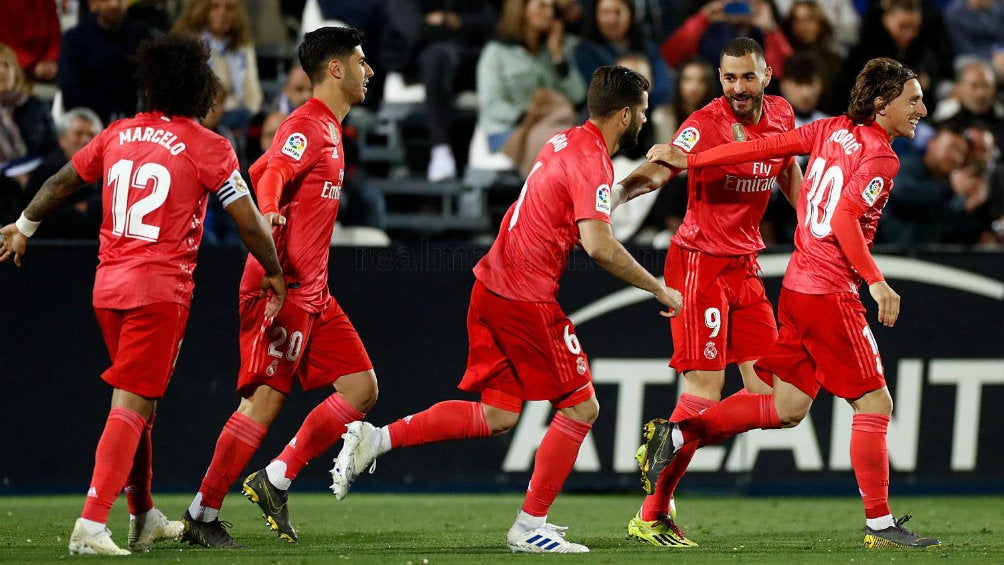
157,174
848,162
309,145
725,204
570,181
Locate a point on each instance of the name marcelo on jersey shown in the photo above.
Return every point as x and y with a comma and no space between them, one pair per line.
158,136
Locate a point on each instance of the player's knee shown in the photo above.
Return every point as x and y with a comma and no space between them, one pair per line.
360,390
791,414
586,411
501,421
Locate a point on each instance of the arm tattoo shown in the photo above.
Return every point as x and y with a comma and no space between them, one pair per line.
54,192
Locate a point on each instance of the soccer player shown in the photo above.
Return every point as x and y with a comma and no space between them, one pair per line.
825,340
522,346
159,168
298,182
713,260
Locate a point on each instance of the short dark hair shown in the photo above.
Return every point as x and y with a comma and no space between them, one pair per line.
742,46
325,44
174,77
880,78
612,88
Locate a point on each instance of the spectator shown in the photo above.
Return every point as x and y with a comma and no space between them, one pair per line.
974,99
80,215
810,31
31,28
910,31
295,91
941,194
613,30
706,33
96,68
842,15
26,128
527,90
224,26
437,42
975,26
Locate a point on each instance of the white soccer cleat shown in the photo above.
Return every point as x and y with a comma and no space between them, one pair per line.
544,539
150,528
83,543
358,453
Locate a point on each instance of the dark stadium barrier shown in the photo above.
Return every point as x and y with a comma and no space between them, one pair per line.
944,361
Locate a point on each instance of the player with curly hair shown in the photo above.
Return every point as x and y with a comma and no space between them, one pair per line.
159,168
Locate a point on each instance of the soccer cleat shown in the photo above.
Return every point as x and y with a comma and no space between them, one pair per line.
662,532
207,534
151,528
83,543
272,502
357,455
897,536
655,452
544,539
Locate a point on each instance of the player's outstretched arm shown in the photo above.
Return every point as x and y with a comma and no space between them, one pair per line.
49,198
256,235
644,179
599,242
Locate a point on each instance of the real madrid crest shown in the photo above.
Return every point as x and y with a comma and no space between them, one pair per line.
334,133
738,133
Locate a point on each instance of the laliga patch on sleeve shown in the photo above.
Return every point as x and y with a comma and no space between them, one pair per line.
603,199
687,139
873,190
295,145
238,181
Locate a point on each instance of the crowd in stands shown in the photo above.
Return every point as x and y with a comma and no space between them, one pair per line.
66,69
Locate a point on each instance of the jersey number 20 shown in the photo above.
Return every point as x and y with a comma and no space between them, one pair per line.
128,220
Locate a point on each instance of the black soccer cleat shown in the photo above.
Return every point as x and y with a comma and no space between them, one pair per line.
897,536
207,534
272,502
655,452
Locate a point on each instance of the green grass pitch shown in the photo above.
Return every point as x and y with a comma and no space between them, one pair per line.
438,529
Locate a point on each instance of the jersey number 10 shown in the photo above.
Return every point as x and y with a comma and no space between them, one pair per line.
827,183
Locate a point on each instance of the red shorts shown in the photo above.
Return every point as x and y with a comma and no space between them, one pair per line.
523,351
316,348
826,341
726,317
143,344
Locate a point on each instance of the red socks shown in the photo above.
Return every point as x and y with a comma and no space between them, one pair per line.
112,461
738,413
238,441
320,430
451,419
657,503
870,461
553,462
141,476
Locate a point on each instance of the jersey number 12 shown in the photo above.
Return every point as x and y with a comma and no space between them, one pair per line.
128,220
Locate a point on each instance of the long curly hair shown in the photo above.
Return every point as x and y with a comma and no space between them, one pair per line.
173,75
